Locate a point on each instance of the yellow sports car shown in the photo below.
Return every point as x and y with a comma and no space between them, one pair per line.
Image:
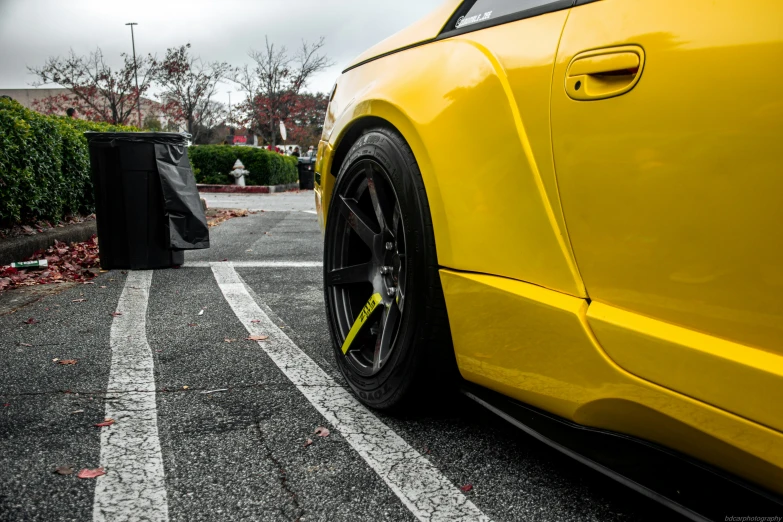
575,205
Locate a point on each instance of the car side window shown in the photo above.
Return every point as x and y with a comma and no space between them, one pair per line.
478,14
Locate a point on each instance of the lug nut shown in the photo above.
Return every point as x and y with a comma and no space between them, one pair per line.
389,245
386,270
391,292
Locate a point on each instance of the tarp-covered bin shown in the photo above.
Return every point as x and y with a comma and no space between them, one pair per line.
146,202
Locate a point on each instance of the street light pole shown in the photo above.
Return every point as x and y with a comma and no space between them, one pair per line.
229,109
136,72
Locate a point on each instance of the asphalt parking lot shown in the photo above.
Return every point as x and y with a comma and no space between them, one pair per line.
212,426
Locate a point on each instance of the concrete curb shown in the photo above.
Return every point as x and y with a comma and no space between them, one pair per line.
250,189
18,248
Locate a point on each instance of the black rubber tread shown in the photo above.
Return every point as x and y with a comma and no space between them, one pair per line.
431,371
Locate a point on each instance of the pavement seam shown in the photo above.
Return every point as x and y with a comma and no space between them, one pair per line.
282,476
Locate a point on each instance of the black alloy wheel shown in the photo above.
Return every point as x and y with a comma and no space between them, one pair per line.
382,288
368,267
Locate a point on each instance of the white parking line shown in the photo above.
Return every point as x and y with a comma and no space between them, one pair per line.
133,487
420,486
254,264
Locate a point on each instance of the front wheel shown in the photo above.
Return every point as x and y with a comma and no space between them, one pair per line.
384,301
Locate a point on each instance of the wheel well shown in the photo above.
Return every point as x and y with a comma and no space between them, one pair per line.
353,133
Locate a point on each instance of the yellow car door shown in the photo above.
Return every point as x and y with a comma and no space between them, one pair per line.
667,120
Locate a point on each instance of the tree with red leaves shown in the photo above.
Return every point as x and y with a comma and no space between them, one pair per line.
98,92
273,84
188,87
306,120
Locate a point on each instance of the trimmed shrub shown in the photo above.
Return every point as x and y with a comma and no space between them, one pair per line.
44,164
212,165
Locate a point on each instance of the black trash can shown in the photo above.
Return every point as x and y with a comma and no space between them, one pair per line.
147,205
306,167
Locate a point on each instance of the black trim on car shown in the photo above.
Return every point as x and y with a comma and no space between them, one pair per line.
551,7
395,51
690,487
558,5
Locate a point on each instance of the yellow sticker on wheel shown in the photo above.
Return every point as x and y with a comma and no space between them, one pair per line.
367,310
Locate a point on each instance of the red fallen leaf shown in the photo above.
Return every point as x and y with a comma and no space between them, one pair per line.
31,321
63,470
69,362
115,314
90,473
226,259
321,431
257,338
308,442
107,422
466,488
192,324
7,404
256,321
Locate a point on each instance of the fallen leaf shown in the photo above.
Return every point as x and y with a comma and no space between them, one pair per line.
78,300
257,338
70,362
256,321
77,411
201,312
185,387
55,359
7,404
466,488
115,314
308,442
25,344
107,422
229,340
102,286
192,324
31,321
321,431
90,473
226,259
63,470
103,271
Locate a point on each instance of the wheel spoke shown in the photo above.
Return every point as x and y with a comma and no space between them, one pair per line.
361,321
350,274
383,347
377,195
358,221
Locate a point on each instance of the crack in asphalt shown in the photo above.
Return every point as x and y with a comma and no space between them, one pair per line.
298,512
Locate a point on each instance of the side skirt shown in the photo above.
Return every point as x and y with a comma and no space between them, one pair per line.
694,489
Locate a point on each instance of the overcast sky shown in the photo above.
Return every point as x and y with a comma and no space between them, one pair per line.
32,30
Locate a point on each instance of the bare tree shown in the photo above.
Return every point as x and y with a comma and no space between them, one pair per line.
208,118
109,95
274,81
188,87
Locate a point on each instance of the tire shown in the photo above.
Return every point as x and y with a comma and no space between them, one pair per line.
384,301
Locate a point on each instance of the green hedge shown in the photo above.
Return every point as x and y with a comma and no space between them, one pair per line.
212,165
44,164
